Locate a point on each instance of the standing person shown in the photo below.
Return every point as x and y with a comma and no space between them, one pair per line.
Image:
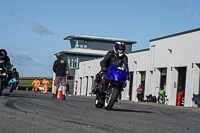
139,93
45,83
36,83
59,67
67,89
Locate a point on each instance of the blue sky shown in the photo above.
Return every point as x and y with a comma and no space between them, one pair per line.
32,31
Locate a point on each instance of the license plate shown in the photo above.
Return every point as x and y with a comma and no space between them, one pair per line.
0,68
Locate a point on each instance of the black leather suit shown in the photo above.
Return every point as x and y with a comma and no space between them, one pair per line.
111,57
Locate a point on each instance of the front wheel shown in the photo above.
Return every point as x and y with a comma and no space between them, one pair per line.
11,86
1,85
161,100
111,98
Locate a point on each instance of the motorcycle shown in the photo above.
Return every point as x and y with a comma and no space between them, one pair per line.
196,99
111,85
12,84
2,76
161,96
151,98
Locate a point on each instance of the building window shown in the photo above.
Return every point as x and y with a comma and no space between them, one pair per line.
72,62
78,43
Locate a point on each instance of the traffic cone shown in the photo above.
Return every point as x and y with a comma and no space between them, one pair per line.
33,90
59,93
17,88
26,88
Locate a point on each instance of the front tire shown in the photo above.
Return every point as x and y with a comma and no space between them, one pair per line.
161,100
1,85
111,98
11,86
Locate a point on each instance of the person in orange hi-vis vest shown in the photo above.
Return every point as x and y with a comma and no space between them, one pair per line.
36,83
45,83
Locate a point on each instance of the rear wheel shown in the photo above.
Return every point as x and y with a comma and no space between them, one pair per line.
98,104
1,85
111,98
11,86
99,100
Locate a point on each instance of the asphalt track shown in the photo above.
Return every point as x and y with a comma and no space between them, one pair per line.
29,112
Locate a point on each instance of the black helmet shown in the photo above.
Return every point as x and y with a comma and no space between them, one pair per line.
14,69
119,46
3,53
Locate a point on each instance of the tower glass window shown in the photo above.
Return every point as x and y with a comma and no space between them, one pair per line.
72,62
78,43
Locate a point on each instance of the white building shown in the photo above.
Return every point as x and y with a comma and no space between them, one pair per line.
171,62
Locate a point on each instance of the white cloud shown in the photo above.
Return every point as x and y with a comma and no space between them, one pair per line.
189,1
40,28
25,59
189,7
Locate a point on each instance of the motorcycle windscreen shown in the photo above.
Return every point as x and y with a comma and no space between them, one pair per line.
117,72
119,65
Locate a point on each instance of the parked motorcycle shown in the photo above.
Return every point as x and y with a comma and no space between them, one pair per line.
12,84
111,85
196,99
161,96
151,98
2,76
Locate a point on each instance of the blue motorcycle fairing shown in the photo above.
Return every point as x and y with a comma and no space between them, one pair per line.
116,73
12,81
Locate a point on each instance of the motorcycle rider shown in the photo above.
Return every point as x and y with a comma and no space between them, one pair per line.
16,75
114,55
6,61
4,58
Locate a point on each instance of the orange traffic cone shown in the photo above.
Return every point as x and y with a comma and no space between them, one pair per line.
59,93
26,88
33,90
17,88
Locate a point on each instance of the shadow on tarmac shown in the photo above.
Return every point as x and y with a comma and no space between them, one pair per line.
128,110
17,95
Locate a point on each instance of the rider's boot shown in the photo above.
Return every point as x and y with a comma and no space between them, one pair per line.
95,88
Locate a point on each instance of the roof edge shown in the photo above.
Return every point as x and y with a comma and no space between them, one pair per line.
97,38
141,50
176,34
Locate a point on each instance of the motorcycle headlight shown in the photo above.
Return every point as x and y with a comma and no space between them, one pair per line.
3,74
